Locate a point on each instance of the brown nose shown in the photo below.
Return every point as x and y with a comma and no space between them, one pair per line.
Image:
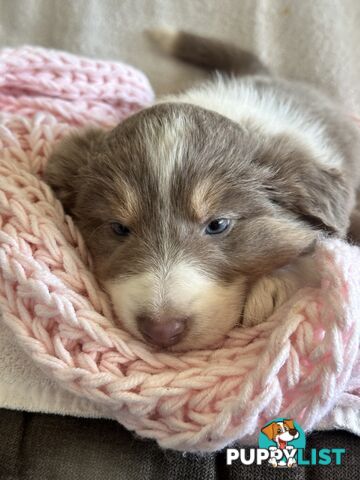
162,332
293,432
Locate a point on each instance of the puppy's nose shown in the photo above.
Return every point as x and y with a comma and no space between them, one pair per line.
162,332
293,432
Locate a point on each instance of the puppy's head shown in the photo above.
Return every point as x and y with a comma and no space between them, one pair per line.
182,209
284,431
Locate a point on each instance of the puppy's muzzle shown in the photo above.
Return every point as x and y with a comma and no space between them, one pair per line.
163,332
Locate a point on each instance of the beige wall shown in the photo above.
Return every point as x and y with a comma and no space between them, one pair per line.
306,39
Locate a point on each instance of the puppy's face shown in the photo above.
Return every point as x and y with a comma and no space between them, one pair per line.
284,431
182,209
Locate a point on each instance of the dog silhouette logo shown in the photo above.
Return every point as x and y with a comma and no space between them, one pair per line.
283,437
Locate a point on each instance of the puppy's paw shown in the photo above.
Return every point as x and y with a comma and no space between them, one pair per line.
273,462
266,295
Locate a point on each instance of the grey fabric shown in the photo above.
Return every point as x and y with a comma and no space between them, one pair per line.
43,447
48,447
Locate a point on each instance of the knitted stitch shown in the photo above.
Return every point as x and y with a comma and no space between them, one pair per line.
301,363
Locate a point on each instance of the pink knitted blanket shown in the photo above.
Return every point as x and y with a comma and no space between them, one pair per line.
303,363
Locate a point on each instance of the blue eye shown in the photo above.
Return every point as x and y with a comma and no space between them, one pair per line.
119,229
219,225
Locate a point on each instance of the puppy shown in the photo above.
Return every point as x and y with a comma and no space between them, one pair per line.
281,433
201,211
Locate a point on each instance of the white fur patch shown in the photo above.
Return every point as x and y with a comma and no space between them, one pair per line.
212,308
178,287
165,150
240,100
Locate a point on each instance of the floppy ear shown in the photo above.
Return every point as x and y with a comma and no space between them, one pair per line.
68,162
318,194
323,200
290,424
269,431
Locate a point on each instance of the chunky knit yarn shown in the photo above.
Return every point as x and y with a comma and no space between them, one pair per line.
301,363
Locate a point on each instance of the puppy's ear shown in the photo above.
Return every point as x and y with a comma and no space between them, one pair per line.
290,424
321,198
269,431
318,194
68,163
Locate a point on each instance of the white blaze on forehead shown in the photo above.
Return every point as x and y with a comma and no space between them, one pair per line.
165,149
281,425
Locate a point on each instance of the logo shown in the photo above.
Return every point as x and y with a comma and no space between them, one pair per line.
282,438
282,445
